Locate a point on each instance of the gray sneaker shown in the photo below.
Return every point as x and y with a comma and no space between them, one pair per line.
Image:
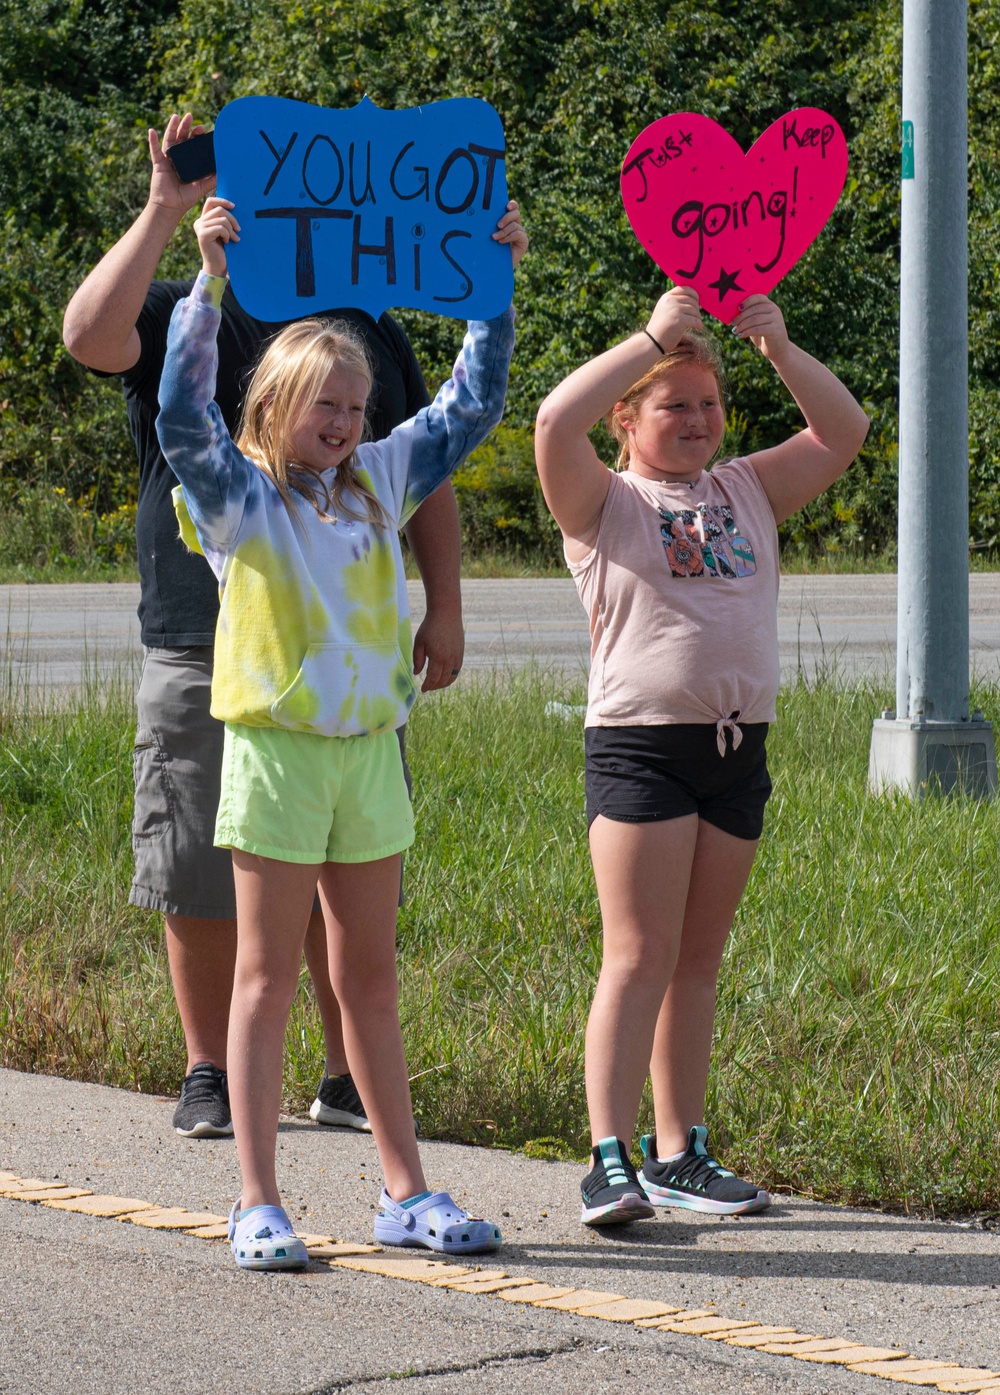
338,1102
203,1108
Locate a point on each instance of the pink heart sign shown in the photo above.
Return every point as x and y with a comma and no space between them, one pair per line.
726,223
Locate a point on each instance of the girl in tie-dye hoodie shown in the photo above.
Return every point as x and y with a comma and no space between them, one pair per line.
299,521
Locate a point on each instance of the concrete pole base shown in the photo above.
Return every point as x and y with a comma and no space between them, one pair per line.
922,758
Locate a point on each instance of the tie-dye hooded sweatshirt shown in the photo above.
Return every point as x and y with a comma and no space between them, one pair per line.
314,628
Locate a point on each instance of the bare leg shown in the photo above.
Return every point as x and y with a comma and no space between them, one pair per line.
202,959
318,964
360,903
273,900
642,872
682,1047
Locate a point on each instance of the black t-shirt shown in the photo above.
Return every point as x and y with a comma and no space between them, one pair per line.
179,602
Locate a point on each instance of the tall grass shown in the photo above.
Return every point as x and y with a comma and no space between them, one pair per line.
858,1040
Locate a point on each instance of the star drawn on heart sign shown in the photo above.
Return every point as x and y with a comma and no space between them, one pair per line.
727,282
699,205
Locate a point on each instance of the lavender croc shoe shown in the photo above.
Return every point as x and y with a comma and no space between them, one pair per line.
264,1238
436,1223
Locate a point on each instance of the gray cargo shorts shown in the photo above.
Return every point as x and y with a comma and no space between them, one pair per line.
177,766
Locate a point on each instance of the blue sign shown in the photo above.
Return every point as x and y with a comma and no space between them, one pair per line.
365,208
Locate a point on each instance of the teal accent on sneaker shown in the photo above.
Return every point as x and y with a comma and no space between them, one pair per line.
611,1157
611,1191
695,1181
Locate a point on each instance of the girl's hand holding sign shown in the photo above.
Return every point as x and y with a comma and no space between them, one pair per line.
214,229
676,312
763,324
511,233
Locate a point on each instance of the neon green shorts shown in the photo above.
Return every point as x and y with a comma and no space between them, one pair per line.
303,798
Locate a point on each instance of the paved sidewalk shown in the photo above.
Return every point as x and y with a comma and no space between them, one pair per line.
98,1305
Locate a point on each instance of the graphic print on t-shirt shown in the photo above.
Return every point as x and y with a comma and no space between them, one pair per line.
706,542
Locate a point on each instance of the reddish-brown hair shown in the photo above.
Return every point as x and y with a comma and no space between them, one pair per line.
695,348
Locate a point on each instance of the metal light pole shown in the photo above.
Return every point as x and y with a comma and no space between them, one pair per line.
930,742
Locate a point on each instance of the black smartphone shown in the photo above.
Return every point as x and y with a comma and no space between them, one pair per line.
194,158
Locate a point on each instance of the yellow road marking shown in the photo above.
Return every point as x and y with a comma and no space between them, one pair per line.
890,1363
680,1319
531,1291
821,1344
333,1249
16,1187
953,1374
106,1206
851,1354
51,1193
908,1365
172,1218
977,1383
629,1310
755,1337
481,1276
418,1268
939,1373
573,1302
473,1284
709,1326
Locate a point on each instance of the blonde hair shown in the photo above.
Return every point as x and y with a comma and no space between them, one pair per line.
286,382
695,348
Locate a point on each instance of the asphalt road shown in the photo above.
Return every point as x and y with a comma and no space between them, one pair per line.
840,626
102,1307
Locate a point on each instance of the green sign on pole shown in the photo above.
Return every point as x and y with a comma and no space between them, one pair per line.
906,171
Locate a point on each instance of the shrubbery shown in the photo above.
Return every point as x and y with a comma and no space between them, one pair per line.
501,501
42,527
574,82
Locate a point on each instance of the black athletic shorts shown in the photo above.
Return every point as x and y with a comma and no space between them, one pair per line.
649,774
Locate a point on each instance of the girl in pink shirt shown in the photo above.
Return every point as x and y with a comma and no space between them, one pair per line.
678,569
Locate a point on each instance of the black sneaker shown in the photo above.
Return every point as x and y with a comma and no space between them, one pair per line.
203,1108
612,1193
338,1102
696,1180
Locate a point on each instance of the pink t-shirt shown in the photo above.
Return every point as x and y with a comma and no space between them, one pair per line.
682,593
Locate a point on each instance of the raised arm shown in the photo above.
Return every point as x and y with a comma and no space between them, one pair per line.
193,435
470,404
573,477
836,426
99,326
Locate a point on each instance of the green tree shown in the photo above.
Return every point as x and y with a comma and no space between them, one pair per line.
574,82
72,175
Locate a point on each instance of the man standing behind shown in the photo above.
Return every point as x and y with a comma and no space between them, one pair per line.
116,323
